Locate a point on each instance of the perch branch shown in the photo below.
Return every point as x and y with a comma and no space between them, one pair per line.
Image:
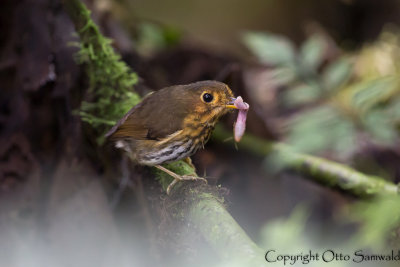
222,232
325,172
205,210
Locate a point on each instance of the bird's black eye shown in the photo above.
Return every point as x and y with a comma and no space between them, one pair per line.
208,97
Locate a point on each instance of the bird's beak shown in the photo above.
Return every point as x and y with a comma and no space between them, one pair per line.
231,103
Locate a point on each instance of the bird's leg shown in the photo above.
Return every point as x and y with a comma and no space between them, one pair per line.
178,177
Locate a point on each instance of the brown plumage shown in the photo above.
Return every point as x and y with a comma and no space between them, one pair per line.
172,123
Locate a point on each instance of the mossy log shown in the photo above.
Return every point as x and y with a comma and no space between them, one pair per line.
222,232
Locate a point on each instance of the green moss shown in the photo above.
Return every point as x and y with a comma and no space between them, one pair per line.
208,214
111,81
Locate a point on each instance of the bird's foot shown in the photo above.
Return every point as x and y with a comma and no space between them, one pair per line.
178,177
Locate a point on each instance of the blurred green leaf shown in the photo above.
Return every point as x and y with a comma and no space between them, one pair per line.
301,94
320,129
367,94
379,125
270,49
345,138
378,218
312,53
172,36
337,74
286,233
153,37
283,76
394,110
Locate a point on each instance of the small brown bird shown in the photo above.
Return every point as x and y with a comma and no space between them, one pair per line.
172,124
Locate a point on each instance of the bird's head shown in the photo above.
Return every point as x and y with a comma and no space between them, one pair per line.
206,101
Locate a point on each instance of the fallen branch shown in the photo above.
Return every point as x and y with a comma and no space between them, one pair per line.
325,172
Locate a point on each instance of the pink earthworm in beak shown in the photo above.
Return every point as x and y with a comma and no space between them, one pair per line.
240,124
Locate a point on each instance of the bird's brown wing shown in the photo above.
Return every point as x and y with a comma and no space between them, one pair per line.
155,118
125,128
